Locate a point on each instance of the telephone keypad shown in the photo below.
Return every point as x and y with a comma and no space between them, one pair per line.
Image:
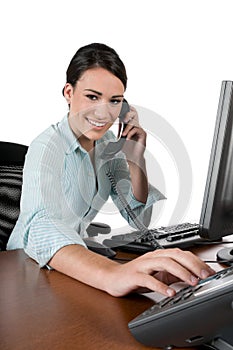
185,293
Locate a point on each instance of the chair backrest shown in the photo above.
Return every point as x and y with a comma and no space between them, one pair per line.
12,156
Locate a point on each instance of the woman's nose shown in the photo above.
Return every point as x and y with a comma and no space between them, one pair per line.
102,111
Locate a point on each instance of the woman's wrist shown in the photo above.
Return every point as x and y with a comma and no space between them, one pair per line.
107,277
137,162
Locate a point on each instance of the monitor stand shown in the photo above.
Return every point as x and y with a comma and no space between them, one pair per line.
220,344
225,256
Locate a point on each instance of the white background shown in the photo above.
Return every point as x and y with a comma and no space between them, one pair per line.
176,53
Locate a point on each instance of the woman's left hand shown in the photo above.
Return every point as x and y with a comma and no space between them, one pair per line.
135,146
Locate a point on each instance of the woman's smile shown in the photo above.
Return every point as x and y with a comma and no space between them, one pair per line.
96,124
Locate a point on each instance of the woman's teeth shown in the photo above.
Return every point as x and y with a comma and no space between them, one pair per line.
96,123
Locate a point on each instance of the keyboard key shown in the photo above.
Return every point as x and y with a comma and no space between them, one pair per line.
180,236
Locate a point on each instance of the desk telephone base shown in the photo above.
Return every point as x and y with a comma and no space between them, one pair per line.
194,316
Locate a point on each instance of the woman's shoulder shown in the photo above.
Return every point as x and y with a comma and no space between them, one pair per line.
44,135
53,134
50,140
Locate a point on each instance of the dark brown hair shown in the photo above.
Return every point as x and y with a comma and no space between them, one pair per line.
95,55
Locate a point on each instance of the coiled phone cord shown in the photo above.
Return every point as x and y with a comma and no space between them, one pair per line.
145,232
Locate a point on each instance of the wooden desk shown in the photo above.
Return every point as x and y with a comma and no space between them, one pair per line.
41,309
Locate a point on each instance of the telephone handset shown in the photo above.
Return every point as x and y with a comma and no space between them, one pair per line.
113,147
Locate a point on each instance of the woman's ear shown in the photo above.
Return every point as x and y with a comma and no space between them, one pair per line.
68,92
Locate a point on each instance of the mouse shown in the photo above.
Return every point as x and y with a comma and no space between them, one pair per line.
97,227
99,248
225,256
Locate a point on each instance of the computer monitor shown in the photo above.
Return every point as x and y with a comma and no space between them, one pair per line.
216,219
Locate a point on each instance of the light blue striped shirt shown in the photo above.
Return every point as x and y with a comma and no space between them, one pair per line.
62,192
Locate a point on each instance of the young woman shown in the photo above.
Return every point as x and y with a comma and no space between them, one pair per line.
65,184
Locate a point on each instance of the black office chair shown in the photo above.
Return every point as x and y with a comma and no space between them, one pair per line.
12,156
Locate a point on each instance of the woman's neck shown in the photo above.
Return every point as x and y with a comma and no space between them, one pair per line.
87,144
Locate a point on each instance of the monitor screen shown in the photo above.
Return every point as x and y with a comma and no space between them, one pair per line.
216,218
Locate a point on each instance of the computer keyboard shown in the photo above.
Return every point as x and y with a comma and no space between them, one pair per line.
183,235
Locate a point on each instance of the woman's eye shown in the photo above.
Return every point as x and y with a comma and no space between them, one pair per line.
92,97
115,102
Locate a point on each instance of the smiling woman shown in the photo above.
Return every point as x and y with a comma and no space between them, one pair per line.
95,103
65,184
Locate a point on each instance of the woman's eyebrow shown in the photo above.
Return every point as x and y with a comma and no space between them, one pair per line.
115,96
96,92
100,93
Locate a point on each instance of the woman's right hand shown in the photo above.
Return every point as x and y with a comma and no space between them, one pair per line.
155,271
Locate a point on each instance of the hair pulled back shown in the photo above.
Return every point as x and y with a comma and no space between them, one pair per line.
95,55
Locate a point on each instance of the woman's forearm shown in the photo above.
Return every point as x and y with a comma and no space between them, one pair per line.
83,265
139,179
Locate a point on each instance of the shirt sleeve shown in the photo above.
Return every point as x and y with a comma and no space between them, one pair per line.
143,211
45,216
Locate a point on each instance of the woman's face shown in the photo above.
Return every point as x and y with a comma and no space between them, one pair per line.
95,104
